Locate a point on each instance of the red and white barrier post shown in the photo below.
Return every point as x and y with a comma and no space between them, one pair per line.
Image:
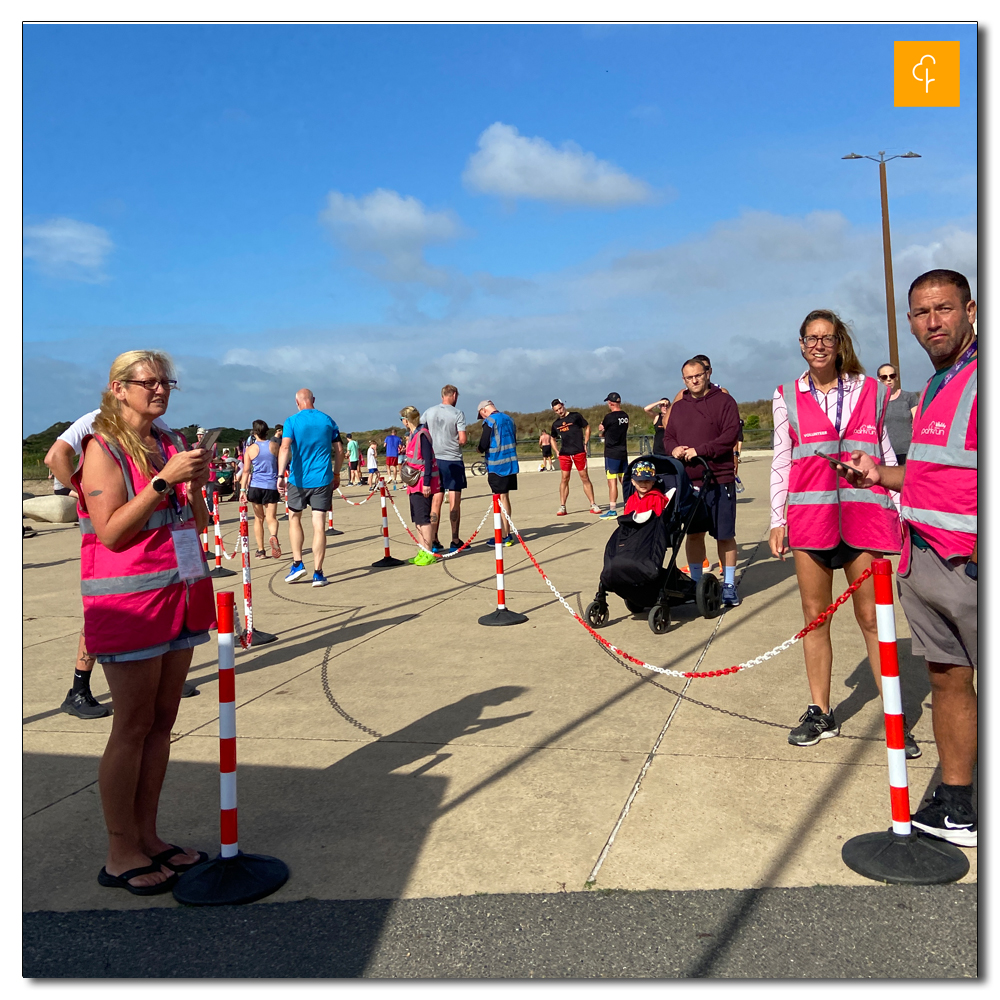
219,570
899,854
252,637
232,877
503,615
386,560
330,529
204,531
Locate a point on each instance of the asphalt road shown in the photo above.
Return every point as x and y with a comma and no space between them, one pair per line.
832,932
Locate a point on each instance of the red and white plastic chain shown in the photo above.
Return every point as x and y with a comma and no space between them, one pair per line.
756,661
358,503
218,529
440,555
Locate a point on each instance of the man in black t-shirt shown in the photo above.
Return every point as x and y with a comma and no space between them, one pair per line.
572,432
614,430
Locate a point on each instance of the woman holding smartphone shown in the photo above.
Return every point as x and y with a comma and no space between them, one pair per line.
823,415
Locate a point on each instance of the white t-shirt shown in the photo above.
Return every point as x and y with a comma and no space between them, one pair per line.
372,457
444,422
79,429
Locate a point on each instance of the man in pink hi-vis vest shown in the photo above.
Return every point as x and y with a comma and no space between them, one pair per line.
939,566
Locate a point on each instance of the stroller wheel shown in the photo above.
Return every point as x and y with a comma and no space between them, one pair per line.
659,618
597,614
636,609
708,596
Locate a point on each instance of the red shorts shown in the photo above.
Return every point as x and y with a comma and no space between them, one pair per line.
566,462
391,460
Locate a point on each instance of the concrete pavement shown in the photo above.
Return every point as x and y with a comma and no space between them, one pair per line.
390,748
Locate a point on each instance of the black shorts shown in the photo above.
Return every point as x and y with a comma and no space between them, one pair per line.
63,491
501,484
452,476
839,557
258,495
354,465
420,508
717,512
546,451
317,497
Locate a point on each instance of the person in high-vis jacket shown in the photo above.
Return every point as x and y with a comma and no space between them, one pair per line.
147,601
939,568
832,409
499,444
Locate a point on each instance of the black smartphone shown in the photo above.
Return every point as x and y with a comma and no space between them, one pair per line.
839,466
209,438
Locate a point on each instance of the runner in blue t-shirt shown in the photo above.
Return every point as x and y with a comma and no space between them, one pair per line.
393,442
307,438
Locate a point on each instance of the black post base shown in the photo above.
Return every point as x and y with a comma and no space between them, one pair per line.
330,532
228,881
221,571
261,638
386,561
503,616
913,860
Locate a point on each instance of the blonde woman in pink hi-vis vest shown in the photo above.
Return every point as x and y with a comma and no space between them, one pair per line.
147,601
939,569
831,410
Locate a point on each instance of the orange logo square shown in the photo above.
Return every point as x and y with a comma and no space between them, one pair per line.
926,74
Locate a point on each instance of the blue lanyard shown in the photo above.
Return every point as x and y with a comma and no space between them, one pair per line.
961,363
840,398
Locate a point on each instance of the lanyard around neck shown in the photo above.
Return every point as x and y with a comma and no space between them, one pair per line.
966,357
840,398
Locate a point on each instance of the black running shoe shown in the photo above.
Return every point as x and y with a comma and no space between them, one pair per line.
84,705
815,726
910,747
950,817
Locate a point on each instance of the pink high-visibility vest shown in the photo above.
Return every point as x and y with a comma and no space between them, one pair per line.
823,508
135,598
413,457
942,479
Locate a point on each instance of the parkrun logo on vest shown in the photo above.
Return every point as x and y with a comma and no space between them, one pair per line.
934,429
926,74
868,429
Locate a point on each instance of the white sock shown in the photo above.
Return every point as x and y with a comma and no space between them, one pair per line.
729,575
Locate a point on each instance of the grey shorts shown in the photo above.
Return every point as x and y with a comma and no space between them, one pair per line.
318,497
186,640
942,607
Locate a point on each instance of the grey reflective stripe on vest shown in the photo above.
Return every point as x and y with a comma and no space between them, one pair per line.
954,451
867,496
792,406
945,520
813,496
122,460
836,496
137,584
158,519
832,448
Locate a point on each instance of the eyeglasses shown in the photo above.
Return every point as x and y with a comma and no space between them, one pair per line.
888,376
828,341
150,384
695,378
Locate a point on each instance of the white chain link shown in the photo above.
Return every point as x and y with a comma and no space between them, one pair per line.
756,661
357,503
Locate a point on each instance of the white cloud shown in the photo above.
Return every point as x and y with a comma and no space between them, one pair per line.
386,233
514,166
68,248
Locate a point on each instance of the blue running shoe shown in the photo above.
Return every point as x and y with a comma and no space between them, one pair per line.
730,598
509,540
319,580
609,513
297,570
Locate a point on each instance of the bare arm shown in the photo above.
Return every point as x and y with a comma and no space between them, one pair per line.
248,456
285,453
462,438
61,459
338,461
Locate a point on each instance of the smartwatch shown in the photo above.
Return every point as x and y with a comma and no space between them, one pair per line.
160,485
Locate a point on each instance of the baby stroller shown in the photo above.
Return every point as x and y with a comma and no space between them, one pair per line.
633,557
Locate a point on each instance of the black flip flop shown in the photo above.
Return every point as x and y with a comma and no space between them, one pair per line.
163,858
122,881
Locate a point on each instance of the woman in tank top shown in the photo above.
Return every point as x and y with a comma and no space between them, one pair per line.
260,481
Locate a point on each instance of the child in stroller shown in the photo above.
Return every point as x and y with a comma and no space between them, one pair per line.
659,505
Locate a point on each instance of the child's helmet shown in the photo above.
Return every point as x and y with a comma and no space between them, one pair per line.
643,470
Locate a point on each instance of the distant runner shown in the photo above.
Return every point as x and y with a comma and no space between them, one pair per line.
393,442
614,430
573,433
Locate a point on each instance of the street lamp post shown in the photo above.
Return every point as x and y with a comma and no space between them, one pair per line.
890,296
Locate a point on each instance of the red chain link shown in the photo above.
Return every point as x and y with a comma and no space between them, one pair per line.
816,622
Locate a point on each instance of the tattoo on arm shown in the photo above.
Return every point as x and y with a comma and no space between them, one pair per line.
95,493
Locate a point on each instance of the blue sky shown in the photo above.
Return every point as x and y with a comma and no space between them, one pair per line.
525,211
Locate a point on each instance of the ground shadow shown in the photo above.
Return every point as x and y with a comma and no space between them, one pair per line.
913,681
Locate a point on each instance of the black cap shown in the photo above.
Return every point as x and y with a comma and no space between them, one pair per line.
556,402
612,397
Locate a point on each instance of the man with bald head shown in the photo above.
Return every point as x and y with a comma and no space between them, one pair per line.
308,438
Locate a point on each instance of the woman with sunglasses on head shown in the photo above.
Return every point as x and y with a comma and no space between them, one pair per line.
147,601
662,410
899,415
829,411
